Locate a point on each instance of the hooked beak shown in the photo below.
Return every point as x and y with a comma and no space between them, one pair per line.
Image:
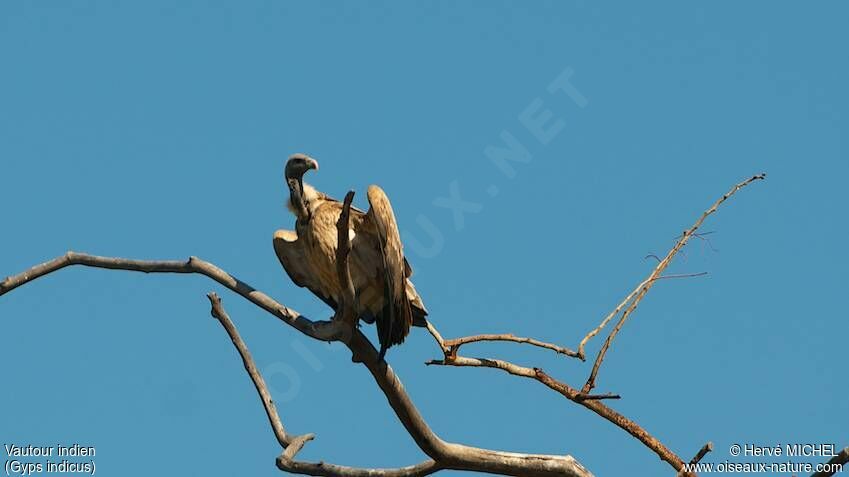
313,164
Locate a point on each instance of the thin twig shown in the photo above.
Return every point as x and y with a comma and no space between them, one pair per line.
607,319
702,453
437,337
624,302
682,275
597,397
701,236
457,342
646,285
696,458
627,299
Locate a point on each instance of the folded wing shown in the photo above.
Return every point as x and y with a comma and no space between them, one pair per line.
395,319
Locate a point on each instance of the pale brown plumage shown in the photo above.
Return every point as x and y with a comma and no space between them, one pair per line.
379,271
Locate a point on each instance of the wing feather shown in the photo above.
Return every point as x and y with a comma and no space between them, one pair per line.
378,266
290,251
397,316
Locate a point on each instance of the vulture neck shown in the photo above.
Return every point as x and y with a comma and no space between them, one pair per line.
303,201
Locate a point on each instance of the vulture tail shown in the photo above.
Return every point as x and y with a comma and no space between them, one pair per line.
395,319
392,328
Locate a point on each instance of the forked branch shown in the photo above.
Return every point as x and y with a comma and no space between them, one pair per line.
637,295
443,455
583,397
591,402
293,444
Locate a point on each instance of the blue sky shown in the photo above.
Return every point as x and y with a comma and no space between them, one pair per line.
155,130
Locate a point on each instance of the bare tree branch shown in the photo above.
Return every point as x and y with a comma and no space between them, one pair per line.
598,397
574,395
609,317
331,470
624,302
698,457
646,285
293,444
320,330
837,462
445,455
436,336
283,438
454,344
583,397
702,453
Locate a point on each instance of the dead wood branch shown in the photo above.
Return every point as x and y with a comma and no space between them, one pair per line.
443,455
293,444
598,397
573,395
702,453
583,397
581,355
455,343
331,470
283,438
637,295
698,457
320,330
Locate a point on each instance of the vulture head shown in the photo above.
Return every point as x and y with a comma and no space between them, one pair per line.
296,167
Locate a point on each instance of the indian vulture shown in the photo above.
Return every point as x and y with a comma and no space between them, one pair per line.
379,271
